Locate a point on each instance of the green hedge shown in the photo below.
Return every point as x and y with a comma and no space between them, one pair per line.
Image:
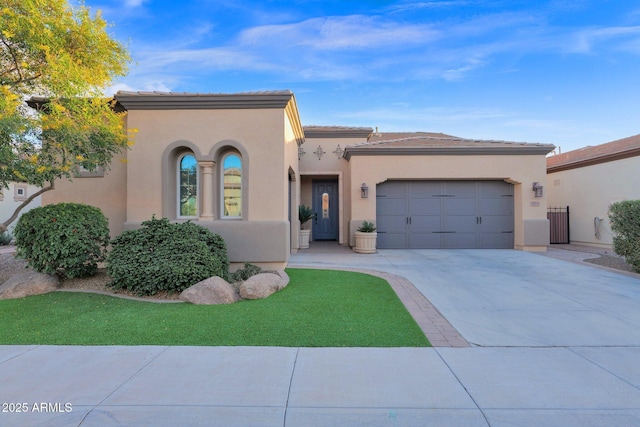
69,239
625,223
165,256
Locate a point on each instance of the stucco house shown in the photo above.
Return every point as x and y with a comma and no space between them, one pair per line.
589,180
241,164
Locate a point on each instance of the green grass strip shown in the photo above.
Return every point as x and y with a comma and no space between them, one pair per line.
319,308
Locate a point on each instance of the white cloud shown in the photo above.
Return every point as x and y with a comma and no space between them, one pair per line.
340,32
134,3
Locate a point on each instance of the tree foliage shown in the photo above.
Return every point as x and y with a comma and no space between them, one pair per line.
59,59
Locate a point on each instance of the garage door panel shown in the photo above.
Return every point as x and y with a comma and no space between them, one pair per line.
430,206
392,240
391,206
425,241
496,224
501,206
494,189
424,189
391,189
425,223
460,224
459,206
460,241
392,224
465,189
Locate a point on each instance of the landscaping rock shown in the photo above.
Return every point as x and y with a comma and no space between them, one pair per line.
26,284
214,290
284,276
262,285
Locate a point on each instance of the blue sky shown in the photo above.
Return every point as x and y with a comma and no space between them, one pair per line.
565,72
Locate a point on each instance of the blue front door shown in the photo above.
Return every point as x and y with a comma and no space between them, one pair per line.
325,207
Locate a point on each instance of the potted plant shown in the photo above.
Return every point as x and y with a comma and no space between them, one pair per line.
305,213
366,238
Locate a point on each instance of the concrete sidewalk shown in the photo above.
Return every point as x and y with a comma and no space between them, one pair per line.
552,343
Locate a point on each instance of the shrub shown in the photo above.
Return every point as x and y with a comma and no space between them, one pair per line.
162,256
625,223
5,238
69,239
244,273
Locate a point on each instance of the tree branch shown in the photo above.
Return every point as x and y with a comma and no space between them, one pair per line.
5,225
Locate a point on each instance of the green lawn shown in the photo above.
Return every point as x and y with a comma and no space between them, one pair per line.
319,308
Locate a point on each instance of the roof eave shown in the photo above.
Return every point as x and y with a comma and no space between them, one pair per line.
171,101
449,151
338,133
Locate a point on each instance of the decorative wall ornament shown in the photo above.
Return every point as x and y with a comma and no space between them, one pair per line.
338,151
301,152
319,152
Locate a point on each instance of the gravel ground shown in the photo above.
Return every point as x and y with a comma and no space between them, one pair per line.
607,257
10,265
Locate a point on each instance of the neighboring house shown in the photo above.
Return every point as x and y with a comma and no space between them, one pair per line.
241,164
589,180
13,197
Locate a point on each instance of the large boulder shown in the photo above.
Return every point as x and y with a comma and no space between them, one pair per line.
26,284
214,290
262,285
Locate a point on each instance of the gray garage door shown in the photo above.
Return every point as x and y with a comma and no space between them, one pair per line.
445,215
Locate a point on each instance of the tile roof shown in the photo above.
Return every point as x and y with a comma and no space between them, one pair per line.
591,155
397,143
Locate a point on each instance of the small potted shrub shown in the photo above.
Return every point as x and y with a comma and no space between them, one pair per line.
305,213
366,238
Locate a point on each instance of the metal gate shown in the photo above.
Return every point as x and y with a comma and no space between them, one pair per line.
559,225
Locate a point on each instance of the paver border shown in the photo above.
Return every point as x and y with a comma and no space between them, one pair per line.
433,324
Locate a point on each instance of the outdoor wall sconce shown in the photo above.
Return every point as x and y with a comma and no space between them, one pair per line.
364,191
319,152
338,151
537,189
301,152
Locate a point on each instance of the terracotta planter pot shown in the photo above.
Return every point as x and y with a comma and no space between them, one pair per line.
304,239
365,242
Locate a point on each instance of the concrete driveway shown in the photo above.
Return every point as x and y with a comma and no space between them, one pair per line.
510,298
553,343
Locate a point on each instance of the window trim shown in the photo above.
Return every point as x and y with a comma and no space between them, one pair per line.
178,170
16,192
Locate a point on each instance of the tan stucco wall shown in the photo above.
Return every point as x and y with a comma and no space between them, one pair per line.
529,212
259,132
109,193
588,191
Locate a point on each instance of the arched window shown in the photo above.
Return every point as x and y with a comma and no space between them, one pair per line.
187,186
231,186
